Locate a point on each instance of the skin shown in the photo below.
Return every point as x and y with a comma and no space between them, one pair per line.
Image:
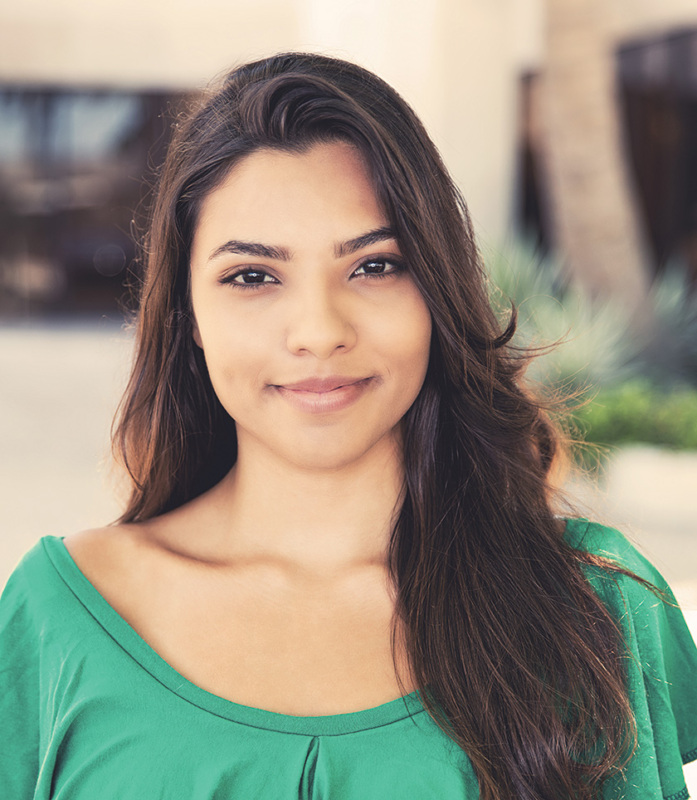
281,599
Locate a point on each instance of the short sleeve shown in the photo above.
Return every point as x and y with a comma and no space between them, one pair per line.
19,691
661,660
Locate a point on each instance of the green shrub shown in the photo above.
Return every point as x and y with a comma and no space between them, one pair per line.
638,411
672,355
582,344
592,355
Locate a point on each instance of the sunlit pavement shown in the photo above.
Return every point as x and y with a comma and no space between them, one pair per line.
60,383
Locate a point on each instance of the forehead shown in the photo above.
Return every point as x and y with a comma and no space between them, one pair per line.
326,190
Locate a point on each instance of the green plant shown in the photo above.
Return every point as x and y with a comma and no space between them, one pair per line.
672,355
621,388
582,344
638,411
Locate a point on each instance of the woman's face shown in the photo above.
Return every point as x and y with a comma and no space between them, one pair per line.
315,335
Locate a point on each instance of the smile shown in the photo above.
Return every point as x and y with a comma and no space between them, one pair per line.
323,395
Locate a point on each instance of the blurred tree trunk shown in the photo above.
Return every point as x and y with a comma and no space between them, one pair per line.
589,196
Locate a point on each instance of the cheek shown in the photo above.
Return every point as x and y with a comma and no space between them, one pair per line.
235,358
413,334
220,329
403,341
235,353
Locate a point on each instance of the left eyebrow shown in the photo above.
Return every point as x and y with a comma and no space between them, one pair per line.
364,240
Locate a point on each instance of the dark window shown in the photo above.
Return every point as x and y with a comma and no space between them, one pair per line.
657,87
74,169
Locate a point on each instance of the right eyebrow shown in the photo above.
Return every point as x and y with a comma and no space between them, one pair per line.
365,240
254,249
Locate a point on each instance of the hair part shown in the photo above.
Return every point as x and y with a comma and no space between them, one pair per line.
476,554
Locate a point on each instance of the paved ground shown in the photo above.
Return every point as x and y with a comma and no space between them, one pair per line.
60,385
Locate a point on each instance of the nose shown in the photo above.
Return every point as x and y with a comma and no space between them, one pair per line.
320,324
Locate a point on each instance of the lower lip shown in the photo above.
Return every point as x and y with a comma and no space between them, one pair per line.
324,402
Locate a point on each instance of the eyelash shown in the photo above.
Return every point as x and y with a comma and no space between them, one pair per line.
397,267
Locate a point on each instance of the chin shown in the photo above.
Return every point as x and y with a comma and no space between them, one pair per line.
334,455
324,459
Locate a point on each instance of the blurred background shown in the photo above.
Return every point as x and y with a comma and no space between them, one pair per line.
569,125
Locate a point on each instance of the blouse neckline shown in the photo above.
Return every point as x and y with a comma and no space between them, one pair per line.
130,641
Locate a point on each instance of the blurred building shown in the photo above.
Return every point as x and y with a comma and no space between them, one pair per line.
656,86
72,168
87,91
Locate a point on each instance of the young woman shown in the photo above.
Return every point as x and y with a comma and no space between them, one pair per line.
338,575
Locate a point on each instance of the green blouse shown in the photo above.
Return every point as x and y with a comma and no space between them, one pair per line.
88,710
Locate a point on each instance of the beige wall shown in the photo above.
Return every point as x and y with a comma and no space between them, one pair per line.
456,61
639,17
628,19
130,43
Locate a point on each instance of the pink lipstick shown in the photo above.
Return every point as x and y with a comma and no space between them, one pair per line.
323,395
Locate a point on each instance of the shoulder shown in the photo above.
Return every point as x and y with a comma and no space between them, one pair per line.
98,547
123,546
125,562
49,598
112,558
36,591
636,595
630,586
660,657
34,573
614,546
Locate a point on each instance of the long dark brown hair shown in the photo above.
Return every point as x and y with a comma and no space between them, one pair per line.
517,658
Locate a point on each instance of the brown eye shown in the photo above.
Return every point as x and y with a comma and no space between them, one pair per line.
378,268
249,278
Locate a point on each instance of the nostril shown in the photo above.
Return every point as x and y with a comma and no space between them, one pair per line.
321,334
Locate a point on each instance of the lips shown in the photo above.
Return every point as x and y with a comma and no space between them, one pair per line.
321,385
324,395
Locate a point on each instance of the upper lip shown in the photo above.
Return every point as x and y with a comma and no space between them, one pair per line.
320,385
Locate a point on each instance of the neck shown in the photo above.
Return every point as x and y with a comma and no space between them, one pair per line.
320,521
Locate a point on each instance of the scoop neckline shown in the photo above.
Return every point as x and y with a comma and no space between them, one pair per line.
148,658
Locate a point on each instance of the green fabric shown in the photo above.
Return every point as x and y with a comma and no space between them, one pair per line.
661,666
88,710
